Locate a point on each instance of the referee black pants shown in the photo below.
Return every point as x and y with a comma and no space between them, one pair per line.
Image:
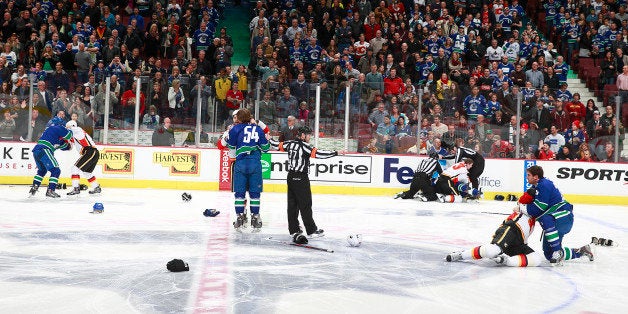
421,182
300,201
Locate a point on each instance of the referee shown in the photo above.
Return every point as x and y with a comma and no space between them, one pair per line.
478,162
299,192
422,179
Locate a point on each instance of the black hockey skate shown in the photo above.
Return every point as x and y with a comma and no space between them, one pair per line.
75,191
317,234
240,222
256,222
96,190
33,189
52,194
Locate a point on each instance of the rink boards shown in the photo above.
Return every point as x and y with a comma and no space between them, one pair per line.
208,169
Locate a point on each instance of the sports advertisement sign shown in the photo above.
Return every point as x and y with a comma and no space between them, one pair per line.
348,168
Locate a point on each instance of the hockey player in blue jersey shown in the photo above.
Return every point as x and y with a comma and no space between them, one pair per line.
545,203
249,142
55,136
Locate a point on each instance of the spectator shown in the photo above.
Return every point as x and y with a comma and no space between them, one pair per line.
545,153
438,128
501,148
554,139
535,76
565,153
235,98
176,100
385,132
151,118
622,84
290,130
164,134
541,117
7,127
595,127
608,154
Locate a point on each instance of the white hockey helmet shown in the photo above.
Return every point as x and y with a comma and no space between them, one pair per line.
71,124
235,112
354,240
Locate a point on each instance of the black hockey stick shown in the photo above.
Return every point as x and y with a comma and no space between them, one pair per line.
306,246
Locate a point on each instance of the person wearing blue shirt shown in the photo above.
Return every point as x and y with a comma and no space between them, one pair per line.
474,105
202,37
545,203
249,142
561,69
55,136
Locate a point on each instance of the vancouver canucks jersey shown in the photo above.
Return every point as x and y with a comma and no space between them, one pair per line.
548,201
54,137
248,140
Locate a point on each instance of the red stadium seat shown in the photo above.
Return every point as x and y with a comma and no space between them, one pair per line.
610,91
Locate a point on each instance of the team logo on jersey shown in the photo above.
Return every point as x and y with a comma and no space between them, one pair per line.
118,161
179,163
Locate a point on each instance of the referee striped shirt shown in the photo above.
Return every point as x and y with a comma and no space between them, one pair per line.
299,154
429,166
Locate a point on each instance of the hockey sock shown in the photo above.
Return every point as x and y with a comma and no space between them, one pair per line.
37,180
483,251
255,205
75,180
571,253
92,181
239,205
530,260
52,183
552,238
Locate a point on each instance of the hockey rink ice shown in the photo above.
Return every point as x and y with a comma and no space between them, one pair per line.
57,257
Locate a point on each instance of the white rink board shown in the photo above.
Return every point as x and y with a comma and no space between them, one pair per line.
130,166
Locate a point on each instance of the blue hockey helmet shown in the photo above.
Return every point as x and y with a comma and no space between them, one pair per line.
98,207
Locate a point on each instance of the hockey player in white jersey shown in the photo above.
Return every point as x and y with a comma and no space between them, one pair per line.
86,146
453,184
509,245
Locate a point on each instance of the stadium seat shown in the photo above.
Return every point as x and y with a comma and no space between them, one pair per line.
610,91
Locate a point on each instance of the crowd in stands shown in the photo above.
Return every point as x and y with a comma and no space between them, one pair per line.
69,48
466,62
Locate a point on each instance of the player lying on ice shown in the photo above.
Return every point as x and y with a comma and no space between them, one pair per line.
510,245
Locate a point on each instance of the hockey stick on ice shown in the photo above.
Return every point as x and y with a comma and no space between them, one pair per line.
306,246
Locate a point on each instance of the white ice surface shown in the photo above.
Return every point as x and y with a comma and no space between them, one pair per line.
56,257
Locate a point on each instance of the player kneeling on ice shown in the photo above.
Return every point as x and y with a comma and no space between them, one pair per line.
299,191
546,204
86,146
453,184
